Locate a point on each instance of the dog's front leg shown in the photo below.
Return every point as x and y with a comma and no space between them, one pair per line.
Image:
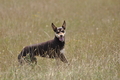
62,58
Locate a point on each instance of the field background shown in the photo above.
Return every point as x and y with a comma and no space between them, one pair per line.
92,38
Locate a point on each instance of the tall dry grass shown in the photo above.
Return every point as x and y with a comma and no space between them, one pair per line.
92,38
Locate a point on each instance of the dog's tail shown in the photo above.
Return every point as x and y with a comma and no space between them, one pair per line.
19,57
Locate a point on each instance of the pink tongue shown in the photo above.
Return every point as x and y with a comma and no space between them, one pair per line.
61,38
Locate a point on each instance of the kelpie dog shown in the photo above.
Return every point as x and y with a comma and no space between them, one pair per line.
52,48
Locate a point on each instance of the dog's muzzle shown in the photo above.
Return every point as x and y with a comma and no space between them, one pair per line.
61,38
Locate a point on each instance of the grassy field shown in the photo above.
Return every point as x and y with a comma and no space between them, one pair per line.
92,38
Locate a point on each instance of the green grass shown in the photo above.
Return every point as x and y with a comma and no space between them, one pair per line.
92,38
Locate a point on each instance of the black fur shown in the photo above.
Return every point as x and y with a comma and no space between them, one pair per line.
49,49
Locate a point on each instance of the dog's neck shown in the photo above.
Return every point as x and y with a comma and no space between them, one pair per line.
59,43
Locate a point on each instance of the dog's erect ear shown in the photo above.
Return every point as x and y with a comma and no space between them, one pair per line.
54,27
64,25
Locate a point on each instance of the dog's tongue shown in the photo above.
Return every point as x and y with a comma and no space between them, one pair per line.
61,39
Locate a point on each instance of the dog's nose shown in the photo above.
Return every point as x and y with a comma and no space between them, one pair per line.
61,35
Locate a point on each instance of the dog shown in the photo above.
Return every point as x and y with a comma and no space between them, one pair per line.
52,49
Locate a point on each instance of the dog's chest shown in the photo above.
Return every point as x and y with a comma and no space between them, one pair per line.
62,50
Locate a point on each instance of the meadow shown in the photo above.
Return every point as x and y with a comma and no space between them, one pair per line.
92,38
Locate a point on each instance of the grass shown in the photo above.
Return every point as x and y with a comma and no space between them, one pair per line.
92,38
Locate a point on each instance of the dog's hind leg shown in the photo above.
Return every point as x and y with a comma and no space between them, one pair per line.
21,57
33,58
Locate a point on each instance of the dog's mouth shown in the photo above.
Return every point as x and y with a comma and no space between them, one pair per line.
61,38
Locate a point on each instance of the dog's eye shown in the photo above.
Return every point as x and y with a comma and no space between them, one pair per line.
57,32
62,31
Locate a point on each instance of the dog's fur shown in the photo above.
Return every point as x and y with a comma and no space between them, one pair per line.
52,48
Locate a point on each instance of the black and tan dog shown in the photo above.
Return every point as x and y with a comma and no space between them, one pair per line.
52,48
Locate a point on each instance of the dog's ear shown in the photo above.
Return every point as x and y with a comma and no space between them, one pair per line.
54,27
64,25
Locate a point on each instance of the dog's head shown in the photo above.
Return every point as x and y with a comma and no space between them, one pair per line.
60,31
